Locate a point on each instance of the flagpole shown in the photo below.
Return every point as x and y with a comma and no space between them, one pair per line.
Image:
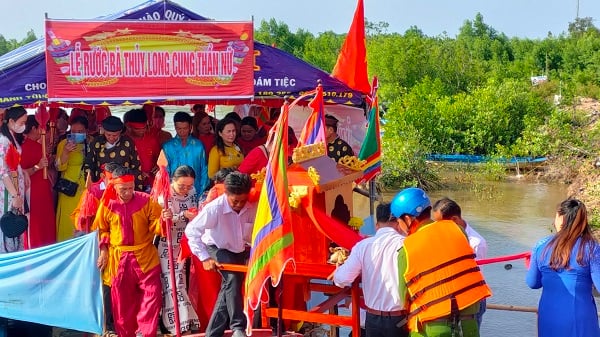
280,307
372,198
372,191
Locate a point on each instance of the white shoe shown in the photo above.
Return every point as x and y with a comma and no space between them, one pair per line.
238,333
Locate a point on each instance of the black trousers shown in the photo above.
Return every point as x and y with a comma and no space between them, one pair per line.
384,326
15,328
108,316
229,307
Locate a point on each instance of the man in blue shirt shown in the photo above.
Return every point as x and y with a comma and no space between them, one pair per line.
184,149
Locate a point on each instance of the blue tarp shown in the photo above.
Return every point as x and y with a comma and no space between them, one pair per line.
57,285
474,159
277,73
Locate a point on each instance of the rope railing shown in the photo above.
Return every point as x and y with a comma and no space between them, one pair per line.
525,255
504,307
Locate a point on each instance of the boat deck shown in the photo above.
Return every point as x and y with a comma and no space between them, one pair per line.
58,332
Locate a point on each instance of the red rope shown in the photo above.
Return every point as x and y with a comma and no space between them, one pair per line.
525,255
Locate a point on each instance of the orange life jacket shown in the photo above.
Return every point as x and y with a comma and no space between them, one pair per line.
441,272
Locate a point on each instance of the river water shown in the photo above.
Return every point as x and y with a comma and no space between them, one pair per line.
512,216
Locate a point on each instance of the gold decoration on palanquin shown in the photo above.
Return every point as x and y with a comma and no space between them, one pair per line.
296,195
259,176
313,175
307,152
352,162
338,256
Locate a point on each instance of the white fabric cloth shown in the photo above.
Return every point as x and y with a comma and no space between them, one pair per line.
477,242
376,258
219,225
187,316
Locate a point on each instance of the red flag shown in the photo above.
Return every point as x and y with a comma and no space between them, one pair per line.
351,65
41,116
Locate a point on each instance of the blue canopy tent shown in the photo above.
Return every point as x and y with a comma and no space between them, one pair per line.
277,73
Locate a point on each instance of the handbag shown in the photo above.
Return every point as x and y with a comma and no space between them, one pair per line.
66,187
13,223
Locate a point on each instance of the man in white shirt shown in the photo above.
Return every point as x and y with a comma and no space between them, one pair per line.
375,258
221,233
448,209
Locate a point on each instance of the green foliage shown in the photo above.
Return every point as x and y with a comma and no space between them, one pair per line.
278,33
404,156
322,51
581,26
8,45
478,123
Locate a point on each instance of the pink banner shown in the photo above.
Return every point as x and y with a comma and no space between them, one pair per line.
122,60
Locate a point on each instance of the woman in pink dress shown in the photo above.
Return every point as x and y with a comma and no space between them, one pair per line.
42,224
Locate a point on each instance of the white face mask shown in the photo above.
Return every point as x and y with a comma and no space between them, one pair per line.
19,129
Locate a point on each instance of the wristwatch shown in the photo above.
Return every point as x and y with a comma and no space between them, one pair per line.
36,168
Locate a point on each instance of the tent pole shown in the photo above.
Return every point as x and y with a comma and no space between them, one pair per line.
372,198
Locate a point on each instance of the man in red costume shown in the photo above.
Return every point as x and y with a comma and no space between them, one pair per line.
127,222
146,144
158,125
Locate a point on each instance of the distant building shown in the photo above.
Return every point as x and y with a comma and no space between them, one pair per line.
535,80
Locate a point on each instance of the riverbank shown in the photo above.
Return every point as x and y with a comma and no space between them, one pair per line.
579,166
575,162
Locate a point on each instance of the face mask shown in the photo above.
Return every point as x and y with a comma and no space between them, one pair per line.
19,129
79,137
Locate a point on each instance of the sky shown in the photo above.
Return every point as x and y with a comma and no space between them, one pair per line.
515,18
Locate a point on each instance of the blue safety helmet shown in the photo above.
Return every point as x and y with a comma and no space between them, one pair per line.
412,201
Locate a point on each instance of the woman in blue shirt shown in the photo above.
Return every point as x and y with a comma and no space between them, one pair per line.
566,266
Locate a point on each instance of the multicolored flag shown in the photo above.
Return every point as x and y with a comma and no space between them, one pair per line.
314,129
351,65
272,237
371,146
